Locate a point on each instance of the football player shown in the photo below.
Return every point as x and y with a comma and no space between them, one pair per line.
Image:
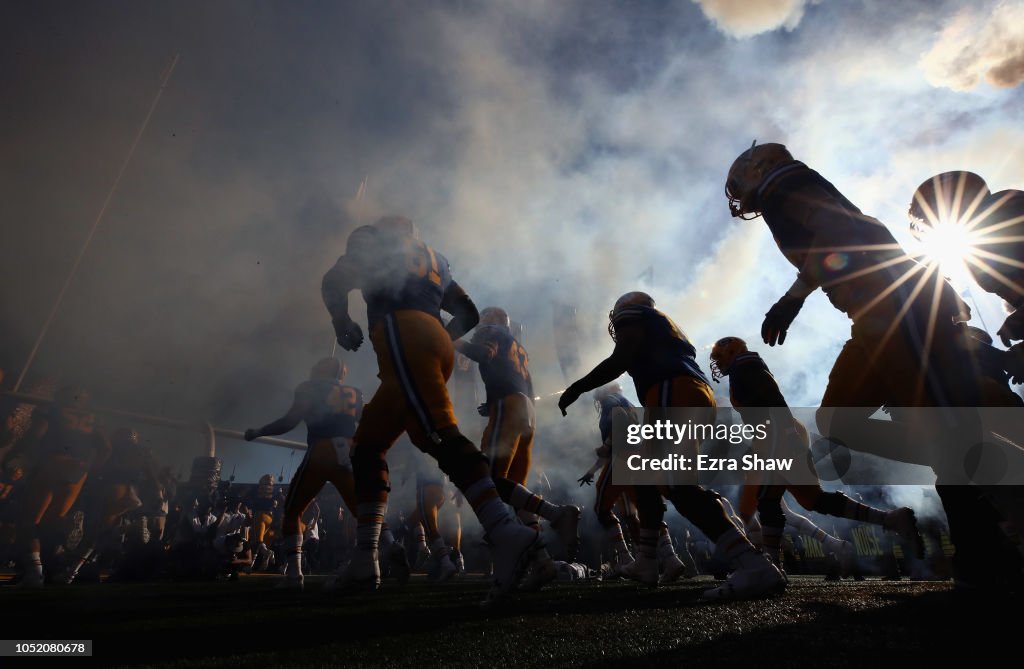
903,349
264,506
406,284
508,437
116,494
68,445
991,226
660,359
331,411
611,403
432,551
757,397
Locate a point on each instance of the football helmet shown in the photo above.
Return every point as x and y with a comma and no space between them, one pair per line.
329,368
265,487
361,241
495,316
723,353
606,391
633,299
747,173
949,197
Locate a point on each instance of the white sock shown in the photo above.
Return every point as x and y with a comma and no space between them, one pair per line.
293,553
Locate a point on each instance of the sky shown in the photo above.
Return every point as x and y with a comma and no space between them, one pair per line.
555,153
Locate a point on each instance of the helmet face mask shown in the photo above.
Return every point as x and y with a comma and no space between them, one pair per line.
632,299
723,354
747,173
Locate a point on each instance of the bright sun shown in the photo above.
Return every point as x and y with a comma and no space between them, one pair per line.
949,244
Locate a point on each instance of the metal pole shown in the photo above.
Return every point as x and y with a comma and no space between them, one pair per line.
201,427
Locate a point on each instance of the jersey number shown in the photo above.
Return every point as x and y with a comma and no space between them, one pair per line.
344,401
520,361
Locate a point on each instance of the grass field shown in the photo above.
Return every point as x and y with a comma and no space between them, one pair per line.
250,624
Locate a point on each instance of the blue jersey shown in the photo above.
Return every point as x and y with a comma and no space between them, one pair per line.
333,409
666,351
508,371
608,406
407,276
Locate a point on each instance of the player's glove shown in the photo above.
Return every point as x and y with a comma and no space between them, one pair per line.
586,479
348,332
569,395
484,409
779,318
1013,328
251,434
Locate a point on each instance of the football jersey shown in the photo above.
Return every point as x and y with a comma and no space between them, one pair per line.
409,275
508,372
753,389
334,409
666,351
608,406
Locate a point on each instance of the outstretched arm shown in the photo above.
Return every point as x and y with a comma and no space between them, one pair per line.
627,343
285,423
464,313
477,351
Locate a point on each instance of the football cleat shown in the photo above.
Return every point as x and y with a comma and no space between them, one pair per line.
642,570
513,545
442,569
460,562
262,561
398,563
567,525
422,557
903,522
361,575
753,581
672,568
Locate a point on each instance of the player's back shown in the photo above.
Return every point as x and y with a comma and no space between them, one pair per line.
403,273
666,350
508,371
334,408
753,390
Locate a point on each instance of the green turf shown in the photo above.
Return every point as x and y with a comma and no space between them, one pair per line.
250,624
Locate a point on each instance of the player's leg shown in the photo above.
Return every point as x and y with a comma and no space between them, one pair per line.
754,574
606,496
309,479
422,356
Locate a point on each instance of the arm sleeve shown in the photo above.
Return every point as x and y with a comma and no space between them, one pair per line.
481,349
464,313
336,285
287,422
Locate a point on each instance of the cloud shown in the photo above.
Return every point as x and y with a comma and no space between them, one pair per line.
745,18
978,45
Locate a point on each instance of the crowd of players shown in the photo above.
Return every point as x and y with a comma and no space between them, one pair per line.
909,347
